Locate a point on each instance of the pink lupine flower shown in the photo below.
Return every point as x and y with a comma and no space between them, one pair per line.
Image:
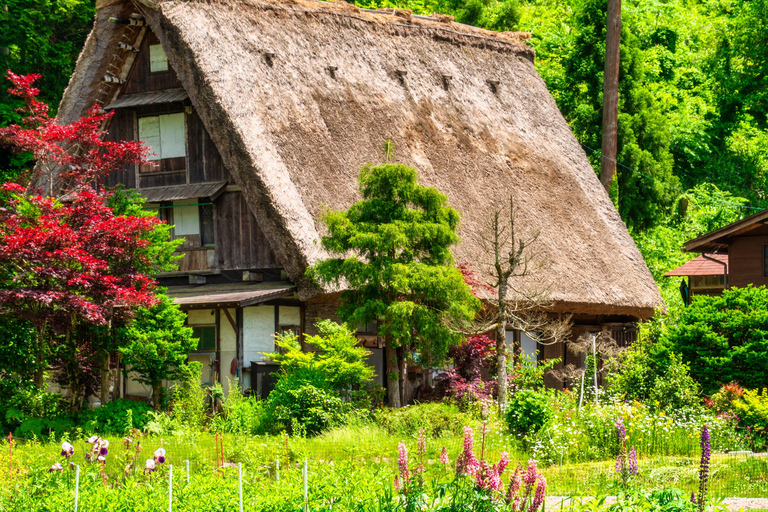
541,490
494,480
402,461
515,483
466,463
503,462
516,505
398,485
421,444
529,477
444,456
468,441
56,467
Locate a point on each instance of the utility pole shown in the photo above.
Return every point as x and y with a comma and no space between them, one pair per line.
611,93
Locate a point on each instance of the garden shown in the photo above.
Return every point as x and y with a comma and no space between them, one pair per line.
668,428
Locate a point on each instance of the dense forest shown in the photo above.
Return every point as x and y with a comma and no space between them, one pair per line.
693,112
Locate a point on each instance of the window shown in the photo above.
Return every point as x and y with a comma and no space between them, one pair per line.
164,135
765,261
192,219
370,327
158,61
206,338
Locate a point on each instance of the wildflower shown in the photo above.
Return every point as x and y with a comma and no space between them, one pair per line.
466,463
621,432
541,489
444,456
704,468
422,444
92,439
514,485
160,455
67,450
56,467
149,466
103,447
402,462
398,485
503,463
530,475
127,441
101,458
633,461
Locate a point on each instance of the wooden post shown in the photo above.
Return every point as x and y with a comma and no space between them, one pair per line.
611,93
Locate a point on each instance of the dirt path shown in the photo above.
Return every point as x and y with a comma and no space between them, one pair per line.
735,504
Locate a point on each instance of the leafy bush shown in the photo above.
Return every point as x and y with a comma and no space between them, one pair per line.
304,409
472,377
189,409
29,411
116,417
725,338
239,414
752,409
436,419
654,376
527,411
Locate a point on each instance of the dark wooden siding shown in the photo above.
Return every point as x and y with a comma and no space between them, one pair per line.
141,80
239,241
121,128
745,261
205,164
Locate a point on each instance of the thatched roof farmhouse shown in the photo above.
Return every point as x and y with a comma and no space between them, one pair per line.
262,113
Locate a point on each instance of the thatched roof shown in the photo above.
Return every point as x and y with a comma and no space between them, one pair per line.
294,135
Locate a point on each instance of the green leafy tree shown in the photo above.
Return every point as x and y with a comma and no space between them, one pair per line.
724,338
155,345
395,262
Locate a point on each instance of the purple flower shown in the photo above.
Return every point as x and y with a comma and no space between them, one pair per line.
633,461
621,432
704,467
149,466
620,464
56,467
160,455
67,450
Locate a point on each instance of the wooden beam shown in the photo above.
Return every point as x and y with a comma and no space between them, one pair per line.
232,322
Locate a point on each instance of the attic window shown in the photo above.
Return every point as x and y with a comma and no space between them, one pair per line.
158,61
164,135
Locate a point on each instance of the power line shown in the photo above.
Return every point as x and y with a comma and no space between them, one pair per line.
672,187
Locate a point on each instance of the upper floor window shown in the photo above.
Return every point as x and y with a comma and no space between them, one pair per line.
164,135
158,61
192,220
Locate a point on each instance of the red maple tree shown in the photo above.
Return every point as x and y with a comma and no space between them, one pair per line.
66,258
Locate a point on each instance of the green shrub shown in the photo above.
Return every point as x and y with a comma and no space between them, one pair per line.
752,409
527,411
189,407
435,418
115,418
239,414
725,338
304,409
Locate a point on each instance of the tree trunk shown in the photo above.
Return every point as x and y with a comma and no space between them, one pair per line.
402,374
611,93
393,382
105,381
40,356
157,395
501,347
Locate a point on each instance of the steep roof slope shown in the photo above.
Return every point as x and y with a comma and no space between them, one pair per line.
294,134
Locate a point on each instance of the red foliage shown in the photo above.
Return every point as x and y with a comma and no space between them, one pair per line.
475,367
70,258
473,281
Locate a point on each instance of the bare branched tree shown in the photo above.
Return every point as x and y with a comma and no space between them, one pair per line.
510,255
602,347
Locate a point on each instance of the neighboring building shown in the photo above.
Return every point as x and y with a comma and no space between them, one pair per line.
262,114
734,255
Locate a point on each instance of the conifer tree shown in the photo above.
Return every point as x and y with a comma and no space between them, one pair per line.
393,257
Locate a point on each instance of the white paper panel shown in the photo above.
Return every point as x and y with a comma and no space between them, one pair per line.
258,331
157,59
149,133
290,315
186,219
172,135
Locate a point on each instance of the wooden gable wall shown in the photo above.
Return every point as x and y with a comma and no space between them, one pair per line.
239,243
